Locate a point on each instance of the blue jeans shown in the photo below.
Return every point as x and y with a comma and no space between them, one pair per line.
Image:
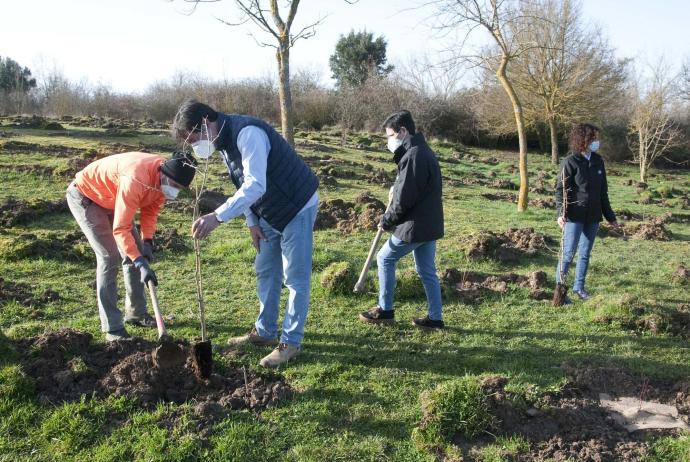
286,256
578,236
424,254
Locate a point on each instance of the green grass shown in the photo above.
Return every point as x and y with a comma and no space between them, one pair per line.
359,386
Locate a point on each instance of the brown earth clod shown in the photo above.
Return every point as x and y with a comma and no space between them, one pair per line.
65,366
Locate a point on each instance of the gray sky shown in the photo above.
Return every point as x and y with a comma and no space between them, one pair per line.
129,44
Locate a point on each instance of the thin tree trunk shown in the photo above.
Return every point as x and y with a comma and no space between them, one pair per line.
520,125
553,128
643,158
283,57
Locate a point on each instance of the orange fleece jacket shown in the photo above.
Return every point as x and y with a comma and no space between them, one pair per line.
126,183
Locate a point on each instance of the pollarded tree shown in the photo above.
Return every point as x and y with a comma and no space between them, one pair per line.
357,57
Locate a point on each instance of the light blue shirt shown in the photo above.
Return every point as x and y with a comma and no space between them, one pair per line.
254,146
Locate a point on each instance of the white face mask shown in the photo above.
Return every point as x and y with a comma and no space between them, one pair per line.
594,146
203,149
394,143
170,192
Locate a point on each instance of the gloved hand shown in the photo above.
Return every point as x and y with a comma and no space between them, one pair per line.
147,274
147,250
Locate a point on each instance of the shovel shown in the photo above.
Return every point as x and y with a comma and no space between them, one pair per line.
361,282
167,354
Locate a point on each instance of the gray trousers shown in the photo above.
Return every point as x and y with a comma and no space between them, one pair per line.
97,225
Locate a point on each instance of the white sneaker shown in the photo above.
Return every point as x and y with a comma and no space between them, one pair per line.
281,354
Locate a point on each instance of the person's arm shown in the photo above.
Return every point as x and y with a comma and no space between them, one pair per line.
149,218
126,205
558,194
251,217
605,203
411,177
254,147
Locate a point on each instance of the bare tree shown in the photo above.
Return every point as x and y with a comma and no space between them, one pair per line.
652,128
268,17
685,79
570,73
498,18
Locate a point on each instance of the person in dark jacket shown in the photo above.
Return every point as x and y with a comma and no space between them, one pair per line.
415,215
583,178
277,193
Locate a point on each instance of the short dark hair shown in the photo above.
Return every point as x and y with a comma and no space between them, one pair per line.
581,135
400,119
190,117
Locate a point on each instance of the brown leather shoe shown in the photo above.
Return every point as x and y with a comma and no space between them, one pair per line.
377,315
280,355
254,338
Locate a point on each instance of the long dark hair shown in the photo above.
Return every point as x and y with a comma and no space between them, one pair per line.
581,135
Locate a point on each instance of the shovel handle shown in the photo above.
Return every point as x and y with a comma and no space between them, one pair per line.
157,310
359,287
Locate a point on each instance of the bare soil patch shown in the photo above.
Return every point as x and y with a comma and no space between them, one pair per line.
15,212
362,215
509,246
23,294
66,365
72,246
471,286
571,424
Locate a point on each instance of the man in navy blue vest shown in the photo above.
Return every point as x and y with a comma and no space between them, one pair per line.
276,191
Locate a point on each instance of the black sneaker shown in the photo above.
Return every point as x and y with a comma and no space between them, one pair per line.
145,320
427,323
377,316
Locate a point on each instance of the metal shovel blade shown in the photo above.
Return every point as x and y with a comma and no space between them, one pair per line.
559,294
168,354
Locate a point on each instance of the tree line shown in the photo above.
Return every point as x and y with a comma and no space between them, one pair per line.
546,68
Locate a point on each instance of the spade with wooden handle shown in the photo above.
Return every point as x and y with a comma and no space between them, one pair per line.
361,282
168,353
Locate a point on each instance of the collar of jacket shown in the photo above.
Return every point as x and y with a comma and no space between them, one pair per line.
224,136
413,140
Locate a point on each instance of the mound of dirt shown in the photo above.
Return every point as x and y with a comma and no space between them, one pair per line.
651,317
682,274
15,212
22,294
65,366
572,424
511,197
504,184
72,246
52,150
315,147
36,122
209,201
471,286
32,169
171,240
509,246
362,215
654,230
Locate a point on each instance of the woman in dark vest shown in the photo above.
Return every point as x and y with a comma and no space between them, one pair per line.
583,178
276,192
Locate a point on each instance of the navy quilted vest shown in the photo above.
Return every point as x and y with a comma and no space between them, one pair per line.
290,183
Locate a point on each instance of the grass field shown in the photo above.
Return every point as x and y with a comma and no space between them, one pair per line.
357,387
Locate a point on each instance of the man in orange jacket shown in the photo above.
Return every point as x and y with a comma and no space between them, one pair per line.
104,198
